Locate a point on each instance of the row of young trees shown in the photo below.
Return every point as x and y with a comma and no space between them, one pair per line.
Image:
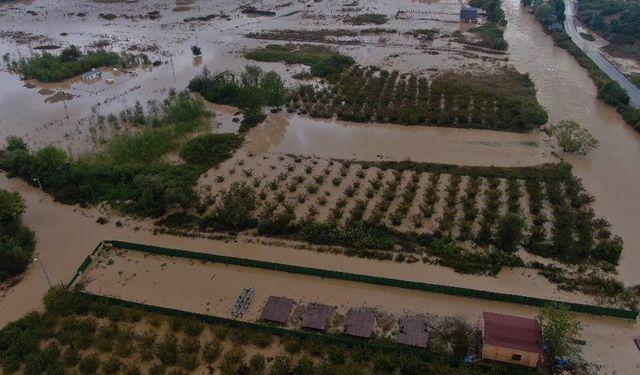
369,94
488,211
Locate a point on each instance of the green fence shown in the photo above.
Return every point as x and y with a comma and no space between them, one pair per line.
85,263
268,329
427,287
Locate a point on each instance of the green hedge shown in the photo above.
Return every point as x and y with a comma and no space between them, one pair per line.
405,284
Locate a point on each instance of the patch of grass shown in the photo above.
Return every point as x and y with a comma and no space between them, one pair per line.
492,36
588,36
72,62
324,62
368,18
210,149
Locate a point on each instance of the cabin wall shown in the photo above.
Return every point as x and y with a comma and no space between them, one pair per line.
501,354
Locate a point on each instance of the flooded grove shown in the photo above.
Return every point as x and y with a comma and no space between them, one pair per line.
66,234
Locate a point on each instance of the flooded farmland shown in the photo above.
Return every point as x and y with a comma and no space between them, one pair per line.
64,114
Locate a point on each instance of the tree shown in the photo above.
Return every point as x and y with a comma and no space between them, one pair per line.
560,330
273,89
71,53
573,138
545,14
612,93
11,206
510,231
236,206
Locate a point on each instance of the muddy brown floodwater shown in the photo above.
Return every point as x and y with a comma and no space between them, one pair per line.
612,171
66,234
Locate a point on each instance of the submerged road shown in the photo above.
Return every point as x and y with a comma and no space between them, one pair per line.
594,54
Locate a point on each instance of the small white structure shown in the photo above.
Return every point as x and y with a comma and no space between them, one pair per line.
91,75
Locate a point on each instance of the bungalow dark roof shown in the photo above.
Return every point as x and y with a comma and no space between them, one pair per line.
316,316
512,332
413,332
277,309
359,323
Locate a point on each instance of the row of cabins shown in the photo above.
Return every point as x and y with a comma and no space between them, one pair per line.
506,338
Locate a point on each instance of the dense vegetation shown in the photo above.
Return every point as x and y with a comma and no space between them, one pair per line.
251,90
78,334
493,9
130,173
368,18
549,12
72,62
492,36
324,62
504,101
618,21
16,241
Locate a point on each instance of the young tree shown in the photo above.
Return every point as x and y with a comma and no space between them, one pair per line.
237,205
573,138
273,88
545,14
510,231
560,330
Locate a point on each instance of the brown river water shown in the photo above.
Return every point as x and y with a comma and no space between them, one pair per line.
66,234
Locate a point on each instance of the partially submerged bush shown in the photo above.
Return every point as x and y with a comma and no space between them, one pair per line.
574,138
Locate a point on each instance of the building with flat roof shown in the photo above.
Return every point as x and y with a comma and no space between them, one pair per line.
512,339
316,316
359,323
469,14
277,309
413,332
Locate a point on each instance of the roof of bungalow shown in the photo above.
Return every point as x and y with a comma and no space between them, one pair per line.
359,323
512,332
316,316
277,309
413,332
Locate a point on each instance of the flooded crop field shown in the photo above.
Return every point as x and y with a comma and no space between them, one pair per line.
423,153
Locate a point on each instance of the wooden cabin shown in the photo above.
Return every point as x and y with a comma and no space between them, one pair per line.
512,339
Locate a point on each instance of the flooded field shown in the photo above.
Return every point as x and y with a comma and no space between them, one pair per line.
159,280
63,114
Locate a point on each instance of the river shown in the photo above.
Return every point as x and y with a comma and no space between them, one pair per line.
611,172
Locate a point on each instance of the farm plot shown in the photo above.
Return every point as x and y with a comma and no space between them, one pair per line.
503,101
403,205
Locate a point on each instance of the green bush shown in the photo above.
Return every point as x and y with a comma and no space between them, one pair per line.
608,250
71,62
492,36
89,364
324,62
368,18
210,149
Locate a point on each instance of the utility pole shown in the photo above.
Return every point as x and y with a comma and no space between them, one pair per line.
173,69
44,270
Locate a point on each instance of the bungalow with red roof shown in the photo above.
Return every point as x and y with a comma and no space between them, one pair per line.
512,339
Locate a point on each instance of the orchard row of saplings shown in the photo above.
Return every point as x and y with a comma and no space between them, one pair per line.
556,221
366,94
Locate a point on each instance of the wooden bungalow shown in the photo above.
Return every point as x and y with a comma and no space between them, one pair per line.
512,339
